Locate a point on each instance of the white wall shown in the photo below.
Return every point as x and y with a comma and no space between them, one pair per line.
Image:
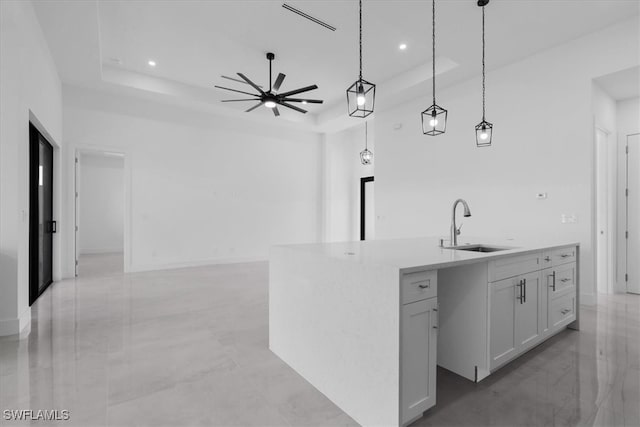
101,203
343,171
543,142
628,116
30,89
200,188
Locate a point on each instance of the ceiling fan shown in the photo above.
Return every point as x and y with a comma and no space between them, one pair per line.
270,98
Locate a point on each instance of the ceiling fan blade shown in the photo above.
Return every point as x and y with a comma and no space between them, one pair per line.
253,108
255,86
275,111
293,92
293,107
235,90
279,81
236,100
237,80
309,101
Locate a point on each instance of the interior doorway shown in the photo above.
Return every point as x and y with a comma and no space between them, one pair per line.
632,193
367,210
41,222
100,201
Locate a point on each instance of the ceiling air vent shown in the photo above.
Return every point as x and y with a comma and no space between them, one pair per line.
309,17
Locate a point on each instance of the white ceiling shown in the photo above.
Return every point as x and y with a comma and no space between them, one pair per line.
621,85
106,45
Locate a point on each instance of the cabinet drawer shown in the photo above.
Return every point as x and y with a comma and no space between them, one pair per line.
564,255
563,310
418,286
563,278
503,268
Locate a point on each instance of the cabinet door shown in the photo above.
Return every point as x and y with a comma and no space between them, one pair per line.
418,370
546,284
528,311
502,333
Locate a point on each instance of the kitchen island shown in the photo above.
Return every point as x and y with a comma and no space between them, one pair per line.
367,322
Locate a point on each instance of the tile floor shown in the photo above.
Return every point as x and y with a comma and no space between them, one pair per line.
190,347
94,265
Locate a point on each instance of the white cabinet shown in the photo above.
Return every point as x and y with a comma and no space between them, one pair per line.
559,291
528,311
514,317
418,362
503,314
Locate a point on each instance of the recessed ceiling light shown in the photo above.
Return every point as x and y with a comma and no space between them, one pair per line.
151,63
402,46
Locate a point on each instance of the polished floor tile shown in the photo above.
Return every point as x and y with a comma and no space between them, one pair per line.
94,265
190,347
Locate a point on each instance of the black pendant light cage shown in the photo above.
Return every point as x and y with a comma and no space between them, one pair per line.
484,129
434,118
366,156
361,95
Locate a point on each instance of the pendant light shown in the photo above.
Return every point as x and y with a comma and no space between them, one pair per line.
361,96
434,118
366,156
484,129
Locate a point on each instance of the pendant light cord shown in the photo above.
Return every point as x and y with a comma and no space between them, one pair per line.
360,39
483,72
433,47
366,135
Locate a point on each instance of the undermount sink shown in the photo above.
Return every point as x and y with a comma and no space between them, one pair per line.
479,248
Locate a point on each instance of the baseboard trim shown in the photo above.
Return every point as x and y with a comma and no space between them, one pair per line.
137,268
16,326
100,251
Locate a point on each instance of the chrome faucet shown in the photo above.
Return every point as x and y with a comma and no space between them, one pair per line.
455,231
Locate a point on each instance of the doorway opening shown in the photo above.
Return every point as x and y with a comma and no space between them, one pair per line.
41,222
367,211
100,207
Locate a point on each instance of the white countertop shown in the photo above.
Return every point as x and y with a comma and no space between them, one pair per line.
424,252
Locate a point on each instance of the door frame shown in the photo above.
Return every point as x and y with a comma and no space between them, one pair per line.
363,182
34,141
104,150
626,210
610,166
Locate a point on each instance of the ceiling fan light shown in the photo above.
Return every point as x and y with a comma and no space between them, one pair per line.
270,104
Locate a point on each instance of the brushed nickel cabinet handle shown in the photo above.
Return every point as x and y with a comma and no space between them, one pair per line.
565,280
565,255
423,286
547,258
